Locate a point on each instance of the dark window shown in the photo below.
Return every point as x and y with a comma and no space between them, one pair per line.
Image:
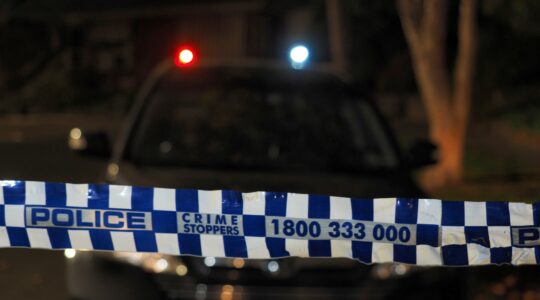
219,120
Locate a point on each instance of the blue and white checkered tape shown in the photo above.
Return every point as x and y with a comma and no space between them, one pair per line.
260,225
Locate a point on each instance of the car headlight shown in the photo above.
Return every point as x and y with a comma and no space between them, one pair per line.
150,262
392,271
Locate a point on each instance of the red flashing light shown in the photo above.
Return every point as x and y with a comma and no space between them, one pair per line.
184,56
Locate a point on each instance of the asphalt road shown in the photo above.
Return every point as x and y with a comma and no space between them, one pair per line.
36,149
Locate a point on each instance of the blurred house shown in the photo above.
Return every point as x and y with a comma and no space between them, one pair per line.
135,35
110,46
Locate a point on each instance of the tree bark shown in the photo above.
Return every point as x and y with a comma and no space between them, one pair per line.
447,103
336,34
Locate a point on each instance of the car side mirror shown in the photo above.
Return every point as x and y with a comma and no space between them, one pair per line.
422,153
91,144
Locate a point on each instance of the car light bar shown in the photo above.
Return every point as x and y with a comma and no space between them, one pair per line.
298,55
184,56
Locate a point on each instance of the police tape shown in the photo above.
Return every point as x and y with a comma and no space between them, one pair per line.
261,225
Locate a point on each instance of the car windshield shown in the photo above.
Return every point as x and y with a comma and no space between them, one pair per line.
218,119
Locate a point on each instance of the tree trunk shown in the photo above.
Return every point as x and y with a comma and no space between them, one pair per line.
447,103
336,34
451,151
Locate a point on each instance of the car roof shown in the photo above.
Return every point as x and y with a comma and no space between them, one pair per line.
250,76
263,69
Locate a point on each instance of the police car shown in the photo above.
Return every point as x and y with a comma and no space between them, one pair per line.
246,125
